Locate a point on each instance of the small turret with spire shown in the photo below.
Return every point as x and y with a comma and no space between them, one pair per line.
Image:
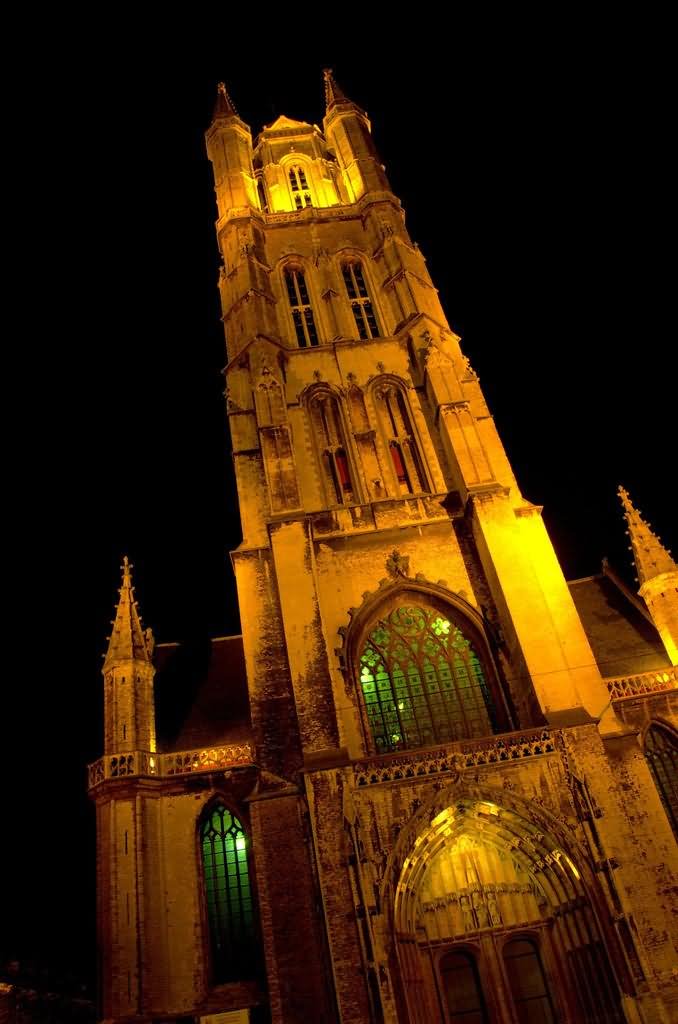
128,670
229,147
657,574
349,134
224,106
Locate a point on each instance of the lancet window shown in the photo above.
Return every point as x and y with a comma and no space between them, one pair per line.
397,428
661,751
423,682
329,437
228,895
301,193
300,305
359,297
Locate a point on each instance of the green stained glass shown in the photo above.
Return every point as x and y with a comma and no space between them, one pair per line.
422,682
228,895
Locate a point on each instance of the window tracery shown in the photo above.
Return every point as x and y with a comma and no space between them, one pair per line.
359,298
397,429
661,751
330,440
228,894
300,305
422,682
301,193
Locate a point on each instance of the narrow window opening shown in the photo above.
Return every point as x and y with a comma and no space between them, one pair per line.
300,190
228,892
329,436
261,191
359,298
300,305
661,751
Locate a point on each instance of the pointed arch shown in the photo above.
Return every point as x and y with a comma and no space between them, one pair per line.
360,294
422,668
660,745
228,898
300,191
475,861
399,435
330,438
297,290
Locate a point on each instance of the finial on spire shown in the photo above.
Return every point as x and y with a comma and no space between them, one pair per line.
128,641
649,554
224,107
333,92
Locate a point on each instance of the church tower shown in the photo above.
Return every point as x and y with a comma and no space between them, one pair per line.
440,801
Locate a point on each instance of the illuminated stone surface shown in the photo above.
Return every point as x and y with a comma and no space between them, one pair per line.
396,592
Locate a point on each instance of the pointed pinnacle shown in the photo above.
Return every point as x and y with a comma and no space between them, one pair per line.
333,92
224,107
127,640
649,554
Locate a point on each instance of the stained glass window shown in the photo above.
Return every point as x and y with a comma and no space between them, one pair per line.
661,751
423,682
229,895
359,297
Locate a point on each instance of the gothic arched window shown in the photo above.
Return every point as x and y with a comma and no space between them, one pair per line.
330,440
422,682
661,751
461,984
228,894
528,982
397,429
300,304
301,193
359,297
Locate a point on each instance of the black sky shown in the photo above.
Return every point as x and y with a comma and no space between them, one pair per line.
534,165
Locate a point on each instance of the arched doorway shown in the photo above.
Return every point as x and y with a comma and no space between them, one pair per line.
493,922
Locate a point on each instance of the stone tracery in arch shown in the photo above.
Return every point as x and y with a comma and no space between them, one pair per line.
417,658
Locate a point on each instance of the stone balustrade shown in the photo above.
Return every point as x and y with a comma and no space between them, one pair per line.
657,681
184,762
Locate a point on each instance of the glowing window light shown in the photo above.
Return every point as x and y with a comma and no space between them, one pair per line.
228,895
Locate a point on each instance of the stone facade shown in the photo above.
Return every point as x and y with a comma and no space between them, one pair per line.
485,792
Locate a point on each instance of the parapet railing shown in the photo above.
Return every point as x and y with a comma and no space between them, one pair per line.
454,757
657,681
183,762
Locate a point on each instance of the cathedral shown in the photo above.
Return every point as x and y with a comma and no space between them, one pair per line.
432,782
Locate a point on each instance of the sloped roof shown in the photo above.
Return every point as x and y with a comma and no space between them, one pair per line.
201,696
624,642
284,123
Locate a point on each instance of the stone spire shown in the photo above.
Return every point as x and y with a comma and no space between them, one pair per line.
224,107
651,557
333,92
128,641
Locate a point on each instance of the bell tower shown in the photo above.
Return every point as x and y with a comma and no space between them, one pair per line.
360,431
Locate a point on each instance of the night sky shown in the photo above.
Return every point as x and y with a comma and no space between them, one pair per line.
536,181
